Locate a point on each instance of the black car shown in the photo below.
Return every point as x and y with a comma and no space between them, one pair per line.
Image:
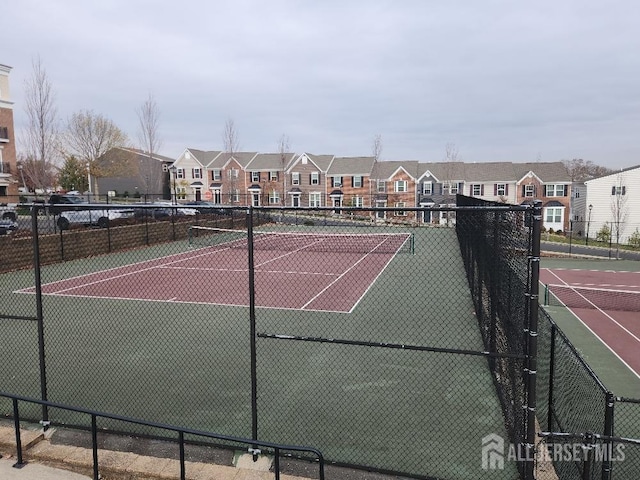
60,203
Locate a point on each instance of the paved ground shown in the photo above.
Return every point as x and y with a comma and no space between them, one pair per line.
35,471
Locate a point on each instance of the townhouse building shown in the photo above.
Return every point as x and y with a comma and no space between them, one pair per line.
308,180
10,176
611,204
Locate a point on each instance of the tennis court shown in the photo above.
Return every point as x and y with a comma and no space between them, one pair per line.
322,272
606,302
163,332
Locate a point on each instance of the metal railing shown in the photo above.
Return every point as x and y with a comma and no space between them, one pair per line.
254,446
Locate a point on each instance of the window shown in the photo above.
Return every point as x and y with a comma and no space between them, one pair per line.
554,215
233,173
273,176
555,190
400,213
476,190
427,188
356,181
314,199
400,186
381,186
295,178
180,173
215,174
336,181
501,189
235,195
618,190
182,193
314,178
357,201
453,188
196,173
274,197
255,176
530,190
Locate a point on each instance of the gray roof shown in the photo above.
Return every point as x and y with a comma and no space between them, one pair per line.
351,166
545,171
243,158
204,157
384,170
322,161
270,161
443,171
142,154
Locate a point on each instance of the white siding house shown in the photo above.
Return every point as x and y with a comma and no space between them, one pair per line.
613,202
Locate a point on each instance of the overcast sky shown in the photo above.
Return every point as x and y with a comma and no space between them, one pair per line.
501,80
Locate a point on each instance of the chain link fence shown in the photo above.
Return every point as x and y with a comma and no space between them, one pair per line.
389,343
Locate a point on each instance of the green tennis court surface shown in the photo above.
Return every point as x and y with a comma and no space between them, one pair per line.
189,364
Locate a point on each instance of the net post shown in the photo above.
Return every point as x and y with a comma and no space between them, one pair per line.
413,243
546,294
532,350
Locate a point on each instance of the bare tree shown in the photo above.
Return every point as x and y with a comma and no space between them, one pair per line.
231,146
150,142
283,149
451,158
581,170
230,137
619,209
89,137
41,136
376,148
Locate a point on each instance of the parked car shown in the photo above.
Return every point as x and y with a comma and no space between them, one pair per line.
177,207
203,206
9,211
59,203
94,216
7,227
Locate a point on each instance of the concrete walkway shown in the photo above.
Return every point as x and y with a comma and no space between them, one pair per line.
45,460
35,471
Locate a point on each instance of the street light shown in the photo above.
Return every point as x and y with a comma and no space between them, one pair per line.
89,176
588,223
173,170
24,185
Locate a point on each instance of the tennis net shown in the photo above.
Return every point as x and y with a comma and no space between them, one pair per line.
592,298
389,243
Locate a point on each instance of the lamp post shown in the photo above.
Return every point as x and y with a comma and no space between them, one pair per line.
24,185
588,223
173,169
89,178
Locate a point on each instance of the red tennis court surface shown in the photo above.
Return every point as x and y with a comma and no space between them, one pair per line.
607,303
298,279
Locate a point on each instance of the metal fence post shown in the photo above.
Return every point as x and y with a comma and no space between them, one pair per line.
552,364
533,342
608,432
39,314
252,323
